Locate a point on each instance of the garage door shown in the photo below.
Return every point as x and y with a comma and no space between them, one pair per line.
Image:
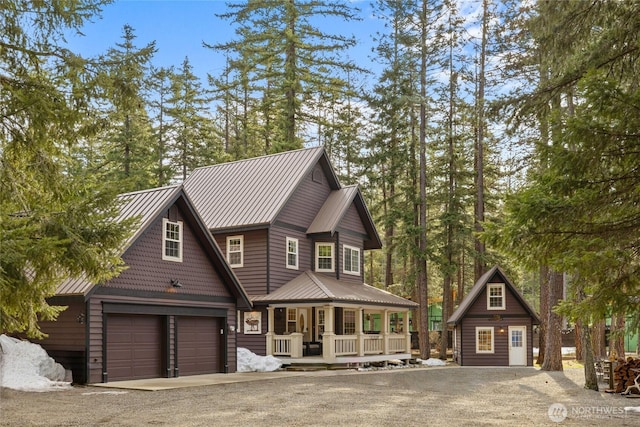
199,345
134,347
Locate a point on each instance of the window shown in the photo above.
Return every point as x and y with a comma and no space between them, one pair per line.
351,260
349,323
495,296
320,320
172,240
484,339
292,315
292,253
324,257
235,247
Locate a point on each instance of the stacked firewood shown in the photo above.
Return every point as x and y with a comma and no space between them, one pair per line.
623,374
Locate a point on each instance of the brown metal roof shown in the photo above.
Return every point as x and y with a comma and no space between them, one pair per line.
334,208
145,205
477,289
311,287
253,191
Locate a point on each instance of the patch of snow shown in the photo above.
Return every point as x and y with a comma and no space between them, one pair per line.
434,362
632,408
27,366
251,362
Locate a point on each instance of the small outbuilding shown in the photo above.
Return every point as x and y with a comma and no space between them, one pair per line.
493,325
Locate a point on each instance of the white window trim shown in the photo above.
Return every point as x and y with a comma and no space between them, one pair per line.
344,257
166,257
241,251
493,335
289,266
504,297
333,257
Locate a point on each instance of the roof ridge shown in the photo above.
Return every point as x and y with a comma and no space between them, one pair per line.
319,283
264,156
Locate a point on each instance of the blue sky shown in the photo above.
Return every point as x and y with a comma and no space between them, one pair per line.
180,26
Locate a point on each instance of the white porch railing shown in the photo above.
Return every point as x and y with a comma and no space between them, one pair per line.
343,345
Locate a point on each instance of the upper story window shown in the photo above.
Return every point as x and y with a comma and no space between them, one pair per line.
324,257
292,253
351,260
495,296
235,251
171,240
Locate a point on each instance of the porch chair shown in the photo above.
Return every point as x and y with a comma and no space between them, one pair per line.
636,383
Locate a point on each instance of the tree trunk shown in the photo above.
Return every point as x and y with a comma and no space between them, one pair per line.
553,337
598,338
590,377
577,332
544,298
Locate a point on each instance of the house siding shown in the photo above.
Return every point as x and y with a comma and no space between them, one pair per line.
305,202
257,343
253,273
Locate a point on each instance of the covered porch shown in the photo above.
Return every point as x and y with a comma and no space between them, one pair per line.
339,323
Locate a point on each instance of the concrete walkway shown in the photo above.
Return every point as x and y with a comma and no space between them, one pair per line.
155,384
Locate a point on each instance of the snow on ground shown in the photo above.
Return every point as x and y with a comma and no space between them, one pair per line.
434,362
251,362
27,366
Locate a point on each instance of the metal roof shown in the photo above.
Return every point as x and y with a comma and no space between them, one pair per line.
477,289
253,191
335,207
309,286
145,205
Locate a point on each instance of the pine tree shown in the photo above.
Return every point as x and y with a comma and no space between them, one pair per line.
281,55
53,223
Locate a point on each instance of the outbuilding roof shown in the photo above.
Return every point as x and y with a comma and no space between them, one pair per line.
252,192
477,289
311,287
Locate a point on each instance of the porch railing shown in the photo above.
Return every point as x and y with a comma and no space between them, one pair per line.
372,344
345,345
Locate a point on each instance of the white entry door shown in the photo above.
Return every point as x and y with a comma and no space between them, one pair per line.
517,345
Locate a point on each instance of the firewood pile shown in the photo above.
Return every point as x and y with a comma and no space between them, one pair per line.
623,374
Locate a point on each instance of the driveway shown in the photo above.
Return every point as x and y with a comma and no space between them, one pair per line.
451,395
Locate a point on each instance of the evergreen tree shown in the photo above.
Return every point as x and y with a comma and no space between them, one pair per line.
128,146
53,223
281,56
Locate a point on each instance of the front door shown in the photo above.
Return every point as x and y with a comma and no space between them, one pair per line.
517,345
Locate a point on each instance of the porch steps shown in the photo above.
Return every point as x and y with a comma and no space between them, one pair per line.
306,367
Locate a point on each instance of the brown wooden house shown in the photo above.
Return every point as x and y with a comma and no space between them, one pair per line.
169,314
493,325
295,238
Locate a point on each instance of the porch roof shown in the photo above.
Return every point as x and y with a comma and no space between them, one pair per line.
311,287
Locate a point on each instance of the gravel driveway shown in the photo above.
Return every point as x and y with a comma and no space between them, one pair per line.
451,395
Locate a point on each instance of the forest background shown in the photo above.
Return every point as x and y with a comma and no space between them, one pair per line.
491,132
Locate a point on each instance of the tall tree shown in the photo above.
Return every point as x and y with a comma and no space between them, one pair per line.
128,147
287,58
53,223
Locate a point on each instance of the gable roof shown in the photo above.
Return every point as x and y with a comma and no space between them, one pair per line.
334,209
477,289
147,206
251,192
309,286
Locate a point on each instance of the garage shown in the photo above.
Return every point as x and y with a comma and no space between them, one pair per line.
199,345
134,346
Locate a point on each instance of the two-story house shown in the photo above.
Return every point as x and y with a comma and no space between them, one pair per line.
295,238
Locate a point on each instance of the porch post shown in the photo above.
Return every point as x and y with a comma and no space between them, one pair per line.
359,331
270,333
407,329
385,331
328,345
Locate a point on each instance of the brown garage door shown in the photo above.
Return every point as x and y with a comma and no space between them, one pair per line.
134,346
199,345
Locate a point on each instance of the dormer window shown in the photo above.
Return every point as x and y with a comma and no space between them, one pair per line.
324,257
351,260
172,240
495,296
